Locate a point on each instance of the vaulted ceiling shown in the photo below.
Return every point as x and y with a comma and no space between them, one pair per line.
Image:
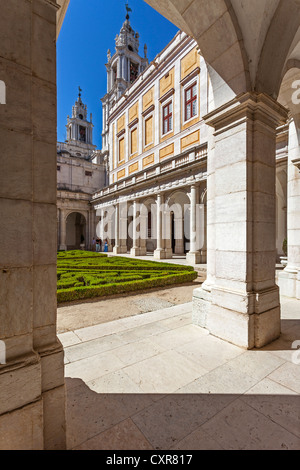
247,42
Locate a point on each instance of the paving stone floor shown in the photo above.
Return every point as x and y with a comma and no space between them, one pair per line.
156,381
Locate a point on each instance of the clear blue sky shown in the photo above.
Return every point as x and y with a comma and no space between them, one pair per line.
89,30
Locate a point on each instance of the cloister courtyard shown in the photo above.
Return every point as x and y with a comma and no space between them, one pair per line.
150,379
201,350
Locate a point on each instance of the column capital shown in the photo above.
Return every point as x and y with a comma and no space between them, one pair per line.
248,106
296,162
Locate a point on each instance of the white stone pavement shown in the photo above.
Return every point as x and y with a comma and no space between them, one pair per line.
156,381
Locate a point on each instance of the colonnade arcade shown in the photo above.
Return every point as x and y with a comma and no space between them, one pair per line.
164,224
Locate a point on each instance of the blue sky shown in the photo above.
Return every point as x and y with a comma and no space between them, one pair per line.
89,30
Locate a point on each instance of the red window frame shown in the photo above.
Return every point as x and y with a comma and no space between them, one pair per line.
190,102
167,118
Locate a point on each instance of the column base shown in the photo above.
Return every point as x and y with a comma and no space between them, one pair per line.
16,434
135,252
119,250
289,284
246,320
193,257
168,253
53,393
63,247
201,306
159,254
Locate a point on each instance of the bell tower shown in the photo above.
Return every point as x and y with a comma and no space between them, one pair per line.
123,68
79,129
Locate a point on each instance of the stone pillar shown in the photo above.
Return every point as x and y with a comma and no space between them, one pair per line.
116,249
202,296
32,399
289,279
143,229
123,216
63,230
119,66
193,256
179,236
241,303
168,235
135,250
159,253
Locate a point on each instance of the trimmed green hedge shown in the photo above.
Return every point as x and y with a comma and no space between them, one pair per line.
77,293
104,267
84,275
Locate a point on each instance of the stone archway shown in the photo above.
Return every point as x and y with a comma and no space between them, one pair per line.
178,203
148,204
76,231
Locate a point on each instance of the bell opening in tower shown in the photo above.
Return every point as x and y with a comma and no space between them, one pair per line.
82,134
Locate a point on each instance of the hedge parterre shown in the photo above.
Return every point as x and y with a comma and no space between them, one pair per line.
84,275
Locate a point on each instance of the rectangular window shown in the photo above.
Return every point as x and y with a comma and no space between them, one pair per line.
133,141
167,118
88,173
121,150
149,131
190,102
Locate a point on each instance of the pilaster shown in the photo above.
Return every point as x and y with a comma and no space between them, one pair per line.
288,280
240,303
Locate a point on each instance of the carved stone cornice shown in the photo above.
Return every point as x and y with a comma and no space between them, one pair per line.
248,106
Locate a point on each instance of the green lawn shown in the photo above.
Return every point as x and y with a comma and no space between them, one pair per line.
84,275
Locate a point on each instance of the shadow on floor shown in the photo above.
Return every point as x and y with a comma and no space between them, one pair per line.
180,421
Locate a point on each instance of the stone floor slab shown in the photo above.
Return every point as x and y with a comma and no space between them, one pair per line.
257,364
173,418
164,373
239,426
91,368
176,337
164,383
116,382
137,351
288,375
123,436
209,352
222,380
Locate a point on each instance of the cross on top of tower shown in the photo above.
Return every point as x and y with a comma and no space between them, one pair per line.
128,10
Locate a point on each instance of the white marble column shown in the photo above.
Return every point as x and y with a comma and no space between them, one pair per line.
193,256
116,248
32,398
240,303
167,234
159,253
143,229
289,279
179,235
135,250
